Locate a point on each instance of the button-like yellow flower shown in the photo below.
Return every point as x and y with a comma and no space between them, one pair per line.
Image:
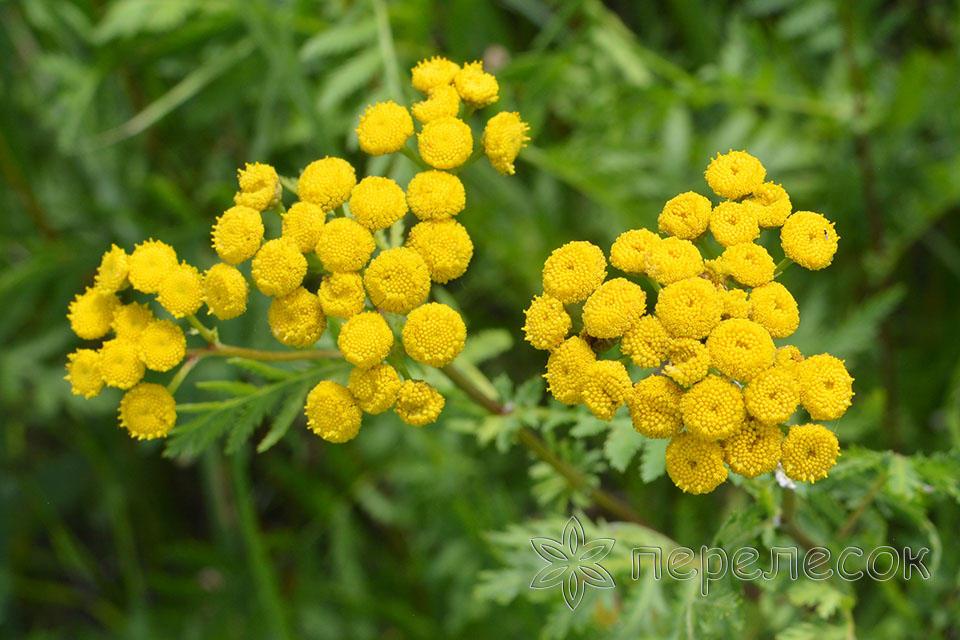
606,388
433,72
279,267
574,271
753,450
327,183
809,452
809,239
695,464
91,313
826,387
149,264
771,203
113,269
237,234
734,223
148,411
259,186
774,308
296,319
613,307
377,202
655,407
788,358
384,128
434,195
772,396
83,373
688,361
735,303
748,263
476,87
629,250
333,412
741,348
689,308
444,102
162,345
735,174
567,370
547,323
646,342
342,295
397,280
444,245
418,403
503,137
181,292
434,334
445,143
685,216
225,291
120,363
130,320
375,389
365,339
303,223
344,245
713,408
670,260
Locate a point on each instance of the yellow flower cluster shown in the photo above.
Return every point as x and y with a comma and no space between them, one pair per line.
712,377
375,295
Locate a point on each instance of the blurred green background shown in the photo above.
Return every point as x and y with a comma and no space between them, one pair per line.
127,119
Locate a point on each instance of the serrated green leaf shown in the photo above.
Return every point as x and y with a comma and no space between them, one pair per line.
251,418
653,463
339,39
292,405
530,392
232,387
262,369
485,345
622,444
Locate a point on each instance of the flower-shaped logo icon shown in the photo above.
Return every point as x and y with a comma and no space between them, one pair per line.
573,563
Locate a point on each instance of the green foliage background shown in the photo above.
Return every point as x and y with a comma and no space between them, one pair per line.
127,119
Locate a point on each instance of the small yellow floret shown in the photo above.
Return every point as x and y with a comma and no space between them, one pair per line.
296,319
113,269
259,186
753,450
748,263
384,128
225,291
735,174
365,339
120,363
84,373
181,292
377,202
689,308
735,303
574,271
444,245
375,389
695,464
149,264
788,358
713,408
567,370
685,216
279,267
607,388
444,102
772,396
433,72
91,313
162,345
344,245
476,87
672,259
809,452
826,387
655,407
688,361
734,223
629,250
503,137
741,348
445,143
418,403
434,334
397,280
434,195
771,203
327,183
148,411
238,234
303,223
646,342
809,239
342,294
130,320
613,307
333,412
774,308
547,323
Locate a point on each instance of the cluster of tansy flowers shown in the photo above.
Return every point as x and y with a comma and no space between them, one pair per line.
714,382
371,288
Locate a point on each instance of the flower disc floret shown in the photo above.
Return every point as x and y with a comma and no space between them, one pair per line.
670,260
433,72
688,361
445,247
225,291
296,319
418,403
748,263
342,295
547,323
344,245
734,223
713,408
113,270
91,313
130,320
384,128
445,143
809,239
629,250
574,271
775,309
333,412
613,308
567,370
741,348
434,195
685,216
607,388
279,267
809,452
735,174
397,280
735,303
654,407
375,389
237,234
771,203
327,183
754,449
689,308
120,363
148,411
162,345
695,464
181,292
646,342
772,396
476,87
365,339
503,137
826,387
84,373
434,334
788,358
149,264
303,223
377,202
259,186
444,102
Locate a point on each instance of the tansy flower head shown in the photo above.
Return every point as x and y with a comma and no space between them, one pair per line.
444,102
654,407
342,295
375,389
688,361
613,307
377,202
225,291
397,280
788,358
365,339
606,388
772,396
113,269
695,464
503,137
713,408
327,183
574,271
445,143
296,319
809,239
303,223
826,387
672,259
434,195
808,452
444,245
646,342
91,313
685,216
162,345
333,412
476,87
740,348
735,174
259,186
344,245
434,334
629,250
238,234
753,450
689,308
567,370
148,411
774,308
418,403
734,223
771,203
384,128
748,263
547,323
735,303
83,373
149,264
130,320
120,363
433,72
181,292
279,267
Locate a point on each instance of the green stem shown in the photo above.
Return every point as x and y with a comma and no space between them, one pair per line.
290,184
788,520
656,285
417,160
387,51
178,379
476,155
867,500
467,112
207,334
229,351
782,266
